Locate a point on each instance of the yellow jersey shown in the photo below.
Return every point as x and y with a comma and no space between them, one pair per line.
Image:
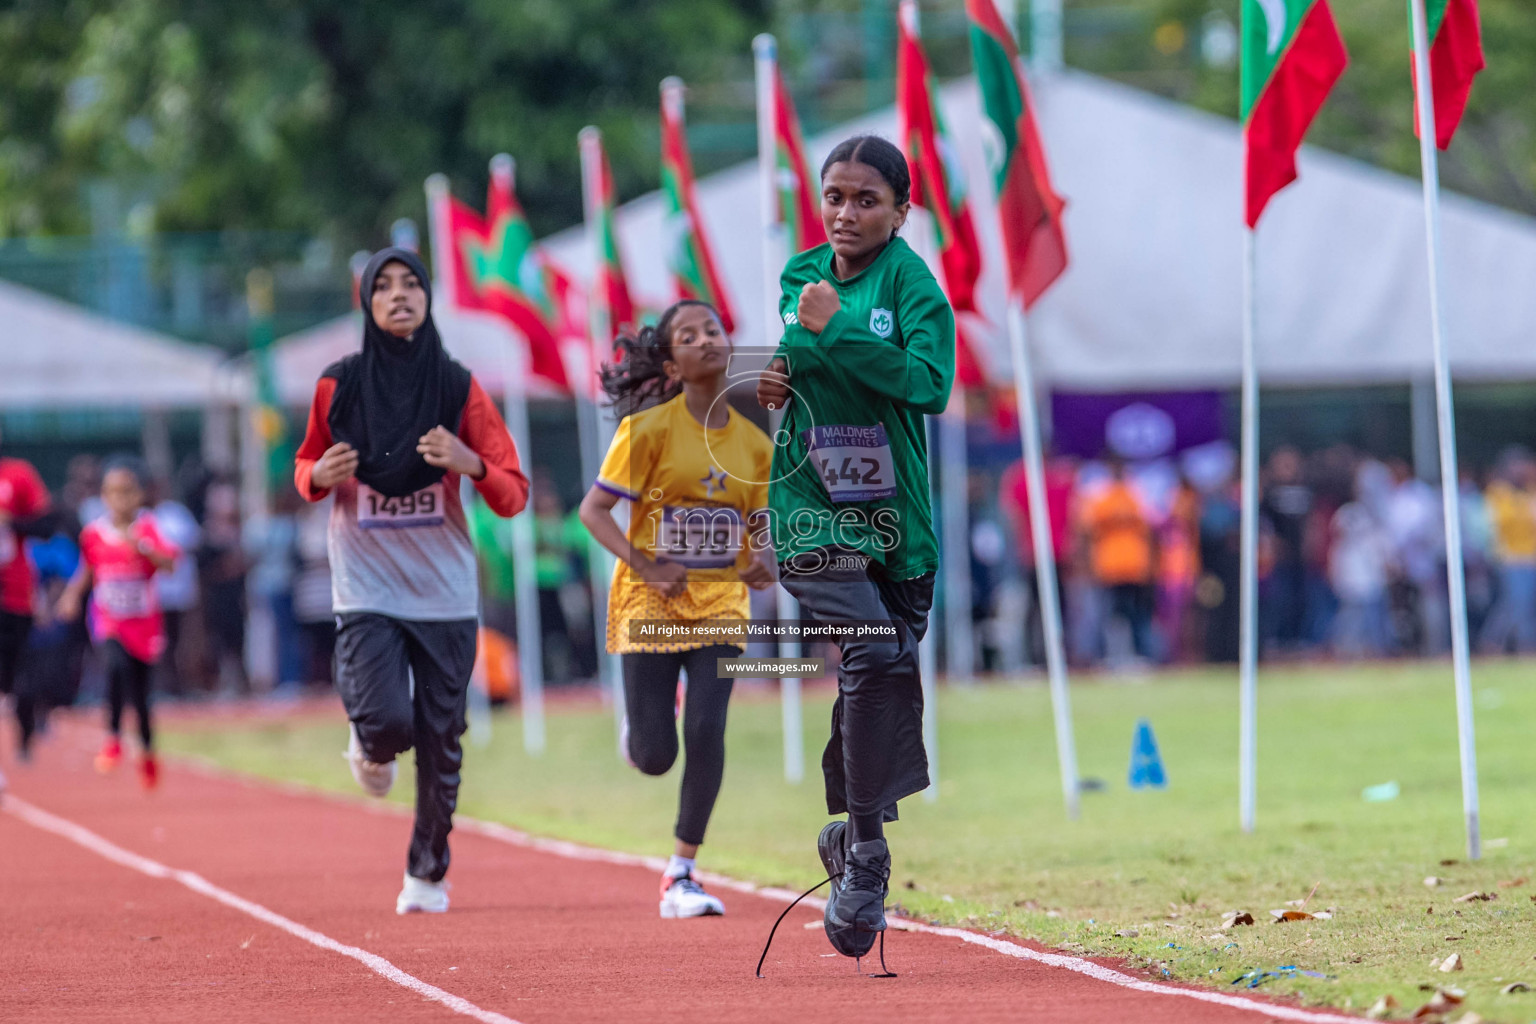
693,493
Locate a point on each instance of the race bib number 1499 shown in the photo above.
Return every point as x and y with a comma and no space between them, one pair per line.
854,463
376,511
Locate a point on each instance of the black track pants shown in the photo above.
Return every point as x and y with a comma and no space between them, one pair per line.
650,697
128,680
875,755
377,660
14,630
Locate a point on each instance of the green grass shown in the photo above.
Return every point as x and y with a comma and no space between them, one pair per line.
996,852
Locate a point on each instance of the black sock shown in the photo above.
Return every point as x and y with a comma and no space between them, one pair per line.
864,827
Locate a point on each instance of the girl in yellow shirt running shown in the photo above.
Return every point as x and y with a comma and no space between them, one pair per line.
695,473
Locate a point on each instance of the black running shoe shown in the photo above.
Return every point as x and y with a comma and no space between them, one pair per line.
830,845
855,914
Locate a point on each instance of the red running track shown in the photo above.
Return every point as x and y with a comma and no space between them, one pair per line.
229,900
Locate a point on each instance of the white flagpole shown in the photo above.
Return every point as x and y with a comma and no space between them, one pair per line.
530,664
1449,477
1045,555
1248,601
928,661
600,563
953,500
530,640
765,62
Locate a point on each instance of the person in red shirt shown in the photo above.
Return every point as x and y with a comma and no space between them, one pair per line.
25,511
119,555
392,431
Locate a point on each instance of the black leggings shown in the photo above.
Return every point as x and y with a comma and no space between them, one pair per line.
14,630
650,700
128,678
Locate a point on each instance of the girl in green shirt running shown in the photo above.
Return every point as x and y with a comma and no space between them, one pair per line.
868,350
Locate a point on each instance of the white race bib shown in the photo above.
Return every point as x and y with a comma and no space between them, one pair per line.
375,511
699,536
123,599
854,463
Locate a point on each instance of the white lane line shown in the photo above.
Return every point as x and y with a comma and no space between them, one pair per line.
40,818
576,851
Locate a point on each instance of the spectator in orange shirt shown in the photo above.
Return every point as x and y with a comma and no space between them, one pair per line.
1118,532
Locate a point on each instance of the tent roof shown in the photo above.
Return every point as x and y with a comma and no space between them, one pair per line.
1152,297
478,340
57,355
1153,294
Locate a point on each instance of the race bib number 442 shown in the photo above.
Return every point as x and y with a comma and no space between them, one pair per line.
423,508
854,463
700,537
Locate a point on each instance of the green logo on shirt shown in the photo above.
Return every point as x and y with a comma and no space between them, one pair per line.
881,322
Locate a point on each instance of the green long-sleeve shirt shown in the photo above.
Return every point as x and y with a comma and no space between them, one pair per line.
886,358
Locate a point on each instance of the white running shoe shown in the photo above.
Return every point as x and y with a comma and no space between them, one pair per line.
420,896
683,897
376,779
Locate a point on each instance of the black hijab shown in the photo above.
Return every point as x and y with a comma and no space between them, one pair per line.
395,390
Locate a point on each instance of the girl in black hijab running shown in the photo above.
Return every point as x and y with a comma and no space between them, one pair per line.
392,430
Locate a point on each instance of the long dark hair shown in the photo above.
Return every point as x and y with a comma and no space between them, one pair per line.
639,379
880,154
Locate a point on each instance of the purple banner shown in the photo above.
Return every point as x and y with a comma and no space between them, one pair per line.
1135,425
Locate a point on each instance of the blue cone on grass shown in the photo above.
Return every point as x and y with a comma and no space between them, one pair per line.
1146,763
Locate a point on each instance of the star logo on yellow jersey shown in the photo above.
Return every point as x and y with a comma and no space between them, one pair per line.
711,481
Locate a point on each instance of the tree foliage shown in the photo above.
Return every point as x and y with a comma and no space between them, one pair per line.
326,115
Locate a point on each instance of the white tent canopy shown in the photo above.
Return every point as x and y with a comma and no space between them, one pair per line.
57,355
1152,297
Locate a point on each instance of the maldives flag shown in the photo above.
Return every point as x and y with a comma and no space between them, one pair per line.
1030,210
497,268
938,183
1292,56
688,255
799,211
609,284
1455,58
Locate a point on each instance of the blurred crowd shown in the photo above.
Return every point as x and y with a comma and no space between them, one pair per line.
1351,562
1352,558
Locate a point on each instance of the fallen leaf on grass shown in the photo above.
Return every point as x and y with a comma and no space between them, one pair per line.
1453,938
1299,915
1236,918
1448,862
1513,987
1432,881
1382,1007
1441,1002
1451,963
1513,883
1128,933
1476,897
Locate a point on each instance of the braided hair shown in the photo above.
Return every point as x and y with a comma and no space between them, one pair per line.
877,153
639,378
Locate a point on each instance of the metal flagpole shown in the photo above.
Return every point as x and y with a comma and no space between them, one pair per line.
530,666
765,61
600,563
1045,556
955,511
530,654
928,666
1248,723
1449,477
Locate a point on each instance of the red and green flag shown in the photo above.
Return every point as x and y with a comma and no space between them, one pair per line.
609,285
689,256
938,183
1455,58
1034,244
799,211
1292,56
498,268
